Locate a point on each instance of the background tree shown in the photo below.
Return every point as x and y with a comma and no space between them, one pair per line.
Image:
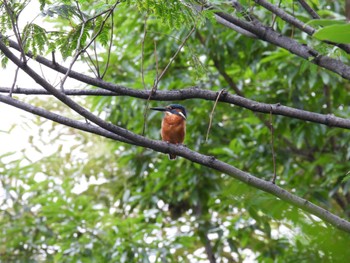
226,62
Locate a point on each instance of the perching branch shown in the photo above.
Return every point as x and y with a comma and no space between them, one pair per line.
83,126
180,150
193,156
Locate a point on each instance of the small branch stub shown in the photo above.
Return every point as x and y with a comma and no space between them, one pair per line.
212,113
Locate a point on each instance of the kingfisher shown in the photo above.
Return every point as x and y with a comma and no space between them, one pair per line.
173,124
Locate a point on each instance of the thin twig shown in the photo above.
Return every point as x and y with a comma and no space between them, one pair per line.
14,82
157,67
96,59
16,30
143,53
293,8
273,149
279,12
78,52
175,55
41,70
212,114
93,68
95,65
110,46
154,88
275,16
53,57
308,9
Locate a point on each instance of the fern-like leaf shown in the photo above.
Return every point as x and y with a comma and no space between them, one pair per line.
34,38
69,43
64,11
103,36
175,13
4,60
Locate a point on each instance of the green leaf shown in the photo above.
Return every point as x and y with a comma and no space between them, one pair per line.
346,178
325,22
335,33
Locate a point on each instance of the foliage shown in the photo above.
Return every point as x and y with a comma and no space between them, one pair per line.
334,33
139,206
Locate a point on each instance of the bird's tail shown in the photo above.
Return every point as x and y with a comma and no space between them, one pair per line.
172,156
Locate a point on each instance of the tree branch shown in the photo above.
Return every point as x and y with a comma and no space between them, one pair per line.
308,9
296,22
269,35
69,92
14,21
193,93
192,156
234,27
286,17
180,150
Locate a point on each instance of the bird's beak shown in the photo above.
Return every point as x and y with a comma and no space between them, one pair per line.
182,115
159,109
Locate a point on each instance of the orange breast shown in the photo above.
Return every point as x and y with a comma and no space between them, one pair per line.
173,129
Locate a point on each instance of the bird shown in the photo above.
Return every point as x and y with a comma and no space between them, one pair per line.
173,124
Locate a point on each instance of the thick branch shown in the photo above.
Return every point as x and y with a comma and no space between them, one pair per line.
286,17
295,22
83,126
208,161
269,35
